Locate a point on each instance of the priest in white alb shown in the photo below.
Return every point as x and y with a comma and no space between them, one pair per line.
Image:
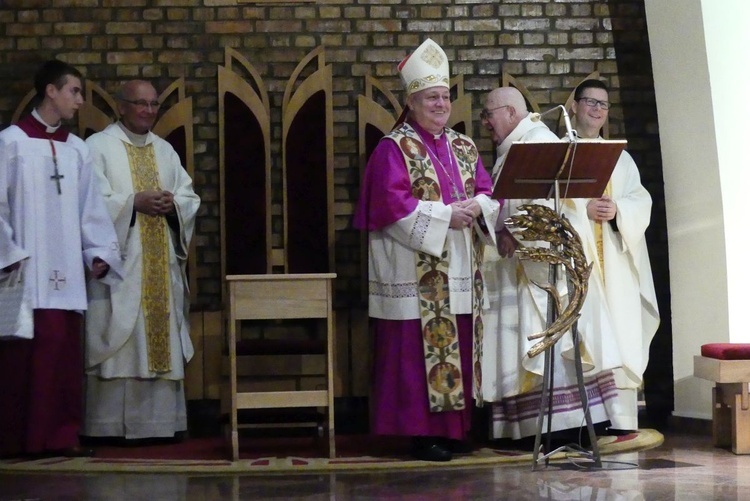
137,333
621,303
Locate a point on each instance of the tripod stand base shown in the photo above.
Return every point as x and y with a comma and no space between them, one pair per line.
575,451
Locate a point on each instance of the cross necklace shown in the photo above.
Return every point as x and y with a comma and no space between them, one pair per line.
57,175
454,188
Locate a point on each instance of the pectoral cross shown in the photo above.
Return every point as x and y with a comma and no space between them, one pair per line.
57,175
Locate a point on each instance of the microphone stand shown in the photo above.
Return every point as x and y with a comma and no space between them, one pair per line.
548,379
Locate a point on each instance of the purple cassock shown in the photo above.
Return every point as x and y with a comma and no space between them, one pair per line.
399,402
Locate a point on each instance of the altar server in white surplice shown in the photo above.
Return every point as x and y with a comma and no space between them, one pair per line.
53,226
137,333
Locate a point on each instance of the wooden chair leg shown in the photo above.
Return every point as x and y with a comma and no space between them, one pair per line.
740,427
722,418
331,435
235,445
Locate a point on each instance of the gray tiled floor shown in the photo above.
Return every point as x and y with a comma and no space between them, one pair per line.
685,467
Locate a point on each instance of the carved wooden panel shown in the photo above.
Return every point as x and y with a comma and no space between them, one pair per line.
244,167
511,81
460,119
307,164
97,111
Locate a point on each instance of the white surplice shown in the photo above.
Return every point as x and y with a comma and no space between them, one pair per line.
116,346
518,309
59,233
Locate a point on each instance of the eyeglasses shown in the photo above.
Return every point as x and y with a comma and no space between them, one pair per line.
591,102
486,114
142,103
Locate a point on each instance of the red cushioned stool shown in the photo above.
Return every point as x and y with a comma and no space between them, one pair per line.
728,365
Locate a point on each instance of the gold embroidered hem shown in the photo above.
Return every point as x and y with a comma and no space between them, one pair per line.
155,258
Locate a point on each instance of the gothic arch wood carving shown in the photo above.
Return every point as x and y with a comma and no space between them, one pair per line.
511,81
97,110
307,167
460,118
244,168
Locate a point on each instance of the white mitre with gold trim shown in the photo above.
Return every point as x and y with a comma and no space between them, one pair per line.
424,68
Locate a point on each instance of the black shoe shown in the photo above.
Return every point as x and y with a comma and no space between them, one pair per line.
457,446
77,452
429,449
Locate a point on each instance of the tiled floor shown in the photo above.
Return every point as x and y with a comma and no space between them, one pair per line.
685,467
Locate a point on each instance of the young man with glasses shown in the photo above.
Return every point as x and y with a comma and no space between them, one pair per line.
137,333
621,302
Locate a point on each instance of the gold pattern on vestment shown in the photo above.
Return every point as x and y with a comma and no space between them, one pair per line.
155,258
425,82
598,236
439,326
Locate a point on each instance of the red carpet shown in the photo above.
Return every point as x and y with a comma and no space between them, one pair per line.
294,455
215,448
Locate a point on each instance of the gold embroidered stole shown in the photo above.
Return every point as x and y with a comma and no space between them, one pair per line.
466,154
439,326
155,256
599,236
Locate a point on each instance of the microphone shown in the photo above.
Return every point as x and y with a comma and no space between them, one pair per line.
535,117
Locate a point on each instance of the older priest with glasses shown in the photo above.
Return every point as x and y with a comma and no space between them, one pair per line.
137,333
425,201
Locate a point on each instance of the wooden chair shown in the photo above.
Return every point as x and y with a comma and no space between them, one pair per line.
271,297
728,365
287,278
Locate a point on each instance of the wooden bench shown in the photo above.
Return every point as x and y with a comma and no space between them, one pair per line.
728,365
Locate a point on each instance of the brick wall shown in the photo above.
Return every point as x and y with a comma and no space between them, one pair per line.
548,45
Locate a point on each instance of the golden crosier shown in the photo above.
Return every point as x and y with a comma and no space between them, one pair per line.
537,222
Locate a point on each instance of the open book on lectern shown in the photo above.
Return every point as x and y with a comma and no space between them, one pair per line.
583,169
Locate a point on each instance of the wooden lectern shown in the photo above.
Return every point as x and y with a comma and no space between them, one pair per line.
577,169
